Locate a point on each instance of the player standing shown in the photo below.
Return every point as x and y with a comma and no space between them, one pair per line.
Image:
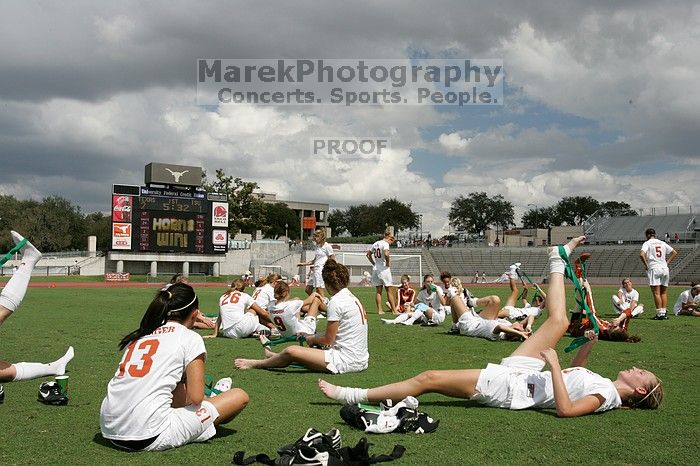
656,255
379,256
323,252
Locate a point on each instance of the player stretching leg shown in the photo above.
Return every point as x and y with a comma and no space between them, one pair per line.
10,299
518,382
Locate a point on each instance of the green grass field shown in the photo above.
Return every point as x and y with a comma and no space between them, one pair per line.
284,403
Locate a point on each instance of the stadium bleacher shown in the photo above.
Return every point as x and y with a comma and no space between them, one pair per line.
611,230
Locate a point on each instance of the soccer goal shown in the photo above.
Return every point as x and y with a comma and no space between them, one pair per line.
265,270
357,264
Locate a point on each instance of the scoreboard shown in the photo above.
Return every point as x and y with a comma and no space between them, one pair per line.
148,219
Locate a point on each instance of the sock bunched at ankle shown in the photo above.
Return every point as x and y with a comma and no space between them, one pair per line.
350,395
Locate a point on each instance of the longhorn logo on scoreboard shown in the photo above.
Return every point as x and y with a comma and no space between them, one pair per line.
219,216
121,236
121,208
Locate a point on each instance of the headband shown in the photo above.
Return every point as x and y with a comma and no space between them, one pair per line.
649,394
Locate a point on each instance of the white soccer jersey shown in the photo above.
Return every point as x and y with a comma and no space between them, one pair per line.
351,338
321,255
627,298
264,295
232,307
432,299
139,396
685,297
378,249
535,390
655,251
285,315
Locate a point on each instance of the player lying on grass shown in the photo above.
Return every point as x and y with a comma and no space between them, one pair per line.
155,401
485,324
688,303
239,315
528,312
345,336
518,382
10,299
627,298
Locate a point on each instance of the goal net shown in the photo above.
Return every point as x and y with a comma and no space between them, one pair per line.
360,267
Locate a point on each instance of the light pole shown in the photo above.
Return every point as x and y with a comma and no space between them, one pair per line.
286,231
420,218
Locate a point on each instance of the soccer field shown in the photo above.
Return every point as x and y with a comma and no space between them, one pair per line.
284,403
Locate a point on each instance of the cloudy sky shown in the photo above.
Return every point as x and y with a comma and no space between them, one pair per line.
601,98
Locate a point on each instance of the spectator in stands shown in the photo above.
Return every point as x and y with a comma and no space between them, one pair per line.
688,303
667,237
380,258
627,298
656,255
676,237
483,277
476,277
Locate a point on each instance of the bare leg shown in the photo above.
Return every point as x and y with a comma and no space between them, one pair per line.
320,291
551,331
513,296
491,305
663,291
391,294
310,357
655,290
229,404
454,383
378,299
309,289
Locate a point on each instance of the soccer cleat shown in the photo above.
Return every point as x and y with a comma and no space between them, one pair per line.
258,333
50,394
429,323
454,330
316,440
660,317
2,394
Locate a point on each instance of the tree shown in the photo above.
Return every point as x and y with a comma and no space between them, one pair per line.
99,225
574,210
542,217
502,212
278,215
246,209
616,209
337,221
476,212
398,214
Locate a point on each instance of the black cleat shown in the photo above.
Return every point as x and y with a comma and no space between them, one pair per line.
50,394
663,317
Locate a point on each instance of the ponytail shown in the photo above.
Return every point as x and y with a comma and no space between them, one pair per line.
173,302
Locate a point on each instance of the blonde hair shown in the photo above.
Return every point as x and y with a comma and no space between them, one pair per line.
457,283
281,290
238,285
406,277
320,235
653,398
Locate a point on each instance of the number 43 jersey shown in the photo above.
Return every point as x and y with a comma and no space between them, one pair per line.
139,396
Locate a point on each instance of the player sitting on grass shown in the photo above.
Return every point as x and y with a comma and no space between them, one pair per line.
155,401
528,312
10,299
428,309
688,303
485,324
627,298
406,296
239,315
518,382
345,336
293,316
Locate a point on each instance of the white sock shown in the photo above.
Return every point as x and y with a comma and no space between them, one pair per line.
32,370
637,310
556,263
412,319
13,293
401,318
350,395
660,312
